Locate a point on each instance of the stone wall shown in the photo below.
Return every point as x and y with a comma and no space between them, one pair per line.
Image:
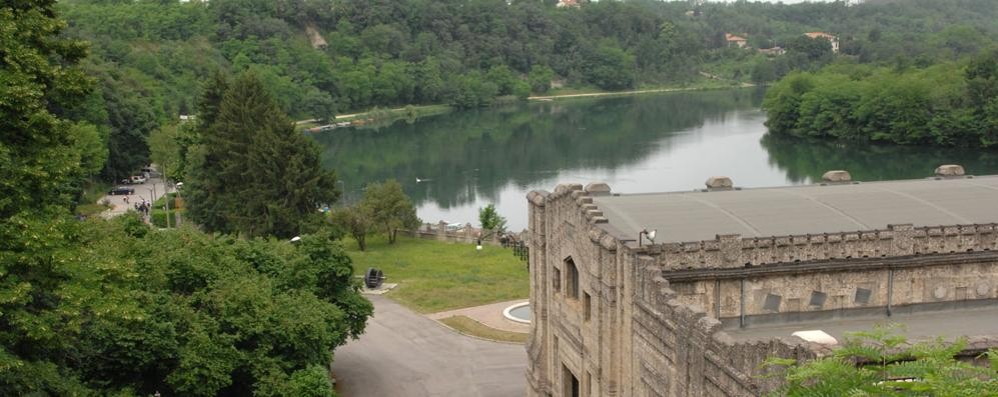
466,234
813,294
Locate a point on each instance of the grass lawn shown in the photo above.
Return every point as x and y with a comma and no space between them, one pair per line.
434,276
468,326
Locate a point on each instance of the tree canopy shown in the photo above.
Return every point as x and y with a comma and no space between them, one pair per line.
43,158
390,209
131,311
950,104
490,220
95,307
252,172
881,362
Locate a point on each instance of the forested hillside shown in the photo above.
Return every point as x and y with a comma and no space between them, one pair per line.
320,57
946,104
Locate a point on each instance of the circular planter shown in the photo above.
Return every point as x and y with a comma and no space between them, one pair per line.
517,313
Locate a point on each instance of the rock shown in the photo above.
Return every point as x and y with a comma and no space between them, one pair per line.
719,182
950,170
598,188
837,176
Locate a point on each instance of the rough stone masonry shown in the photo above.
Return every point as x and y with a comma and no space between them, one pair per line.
617,314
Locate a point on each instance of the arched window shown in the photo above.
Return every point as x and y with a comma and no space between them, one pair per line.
571,279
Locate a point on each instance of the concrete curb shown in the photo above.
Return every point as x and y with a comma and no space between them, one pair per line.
452,329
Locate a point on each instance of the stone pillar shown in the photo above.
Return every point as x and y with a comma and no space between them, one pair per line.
539,340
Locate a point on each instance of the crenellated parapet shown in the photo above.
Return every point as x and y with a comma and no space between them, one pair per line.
728,251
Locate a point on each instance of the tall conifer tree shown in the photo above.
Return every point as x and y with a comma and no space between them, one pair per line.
256,175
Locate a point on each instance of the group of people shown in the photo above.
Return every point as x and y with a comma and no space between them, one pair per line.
142,207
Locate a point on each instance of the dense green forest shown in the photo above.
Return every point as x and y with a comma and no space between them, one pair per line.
947,104
95,307
152,58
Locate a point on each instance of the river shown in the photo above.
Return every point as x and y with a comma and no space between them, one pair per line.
453,164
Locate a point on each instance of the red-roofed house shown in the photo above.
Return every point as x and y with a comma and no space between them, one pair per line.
735,40
832,39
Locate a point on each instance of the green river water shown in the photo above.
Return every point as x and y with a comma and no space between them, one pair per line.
453,164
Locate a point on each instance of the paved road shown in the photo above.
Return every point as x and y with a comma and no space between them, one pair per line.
406,354
142,191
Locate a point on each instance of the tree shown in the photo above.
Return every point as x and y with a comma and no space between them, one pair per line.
609,67
813,49
320,105
255,174
982,92
355,220
490,220
540,78
390,209
164,149
877,363
38,150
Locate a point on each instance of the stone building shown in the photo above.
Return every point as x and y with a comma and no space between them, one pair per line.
732,273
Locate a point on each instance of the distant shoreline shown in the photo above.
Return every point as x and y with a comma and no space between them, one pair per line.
432,109
631,92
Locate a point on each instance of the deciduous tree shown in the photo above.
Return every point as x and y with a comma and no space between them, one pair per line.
390,209
880,363
490,220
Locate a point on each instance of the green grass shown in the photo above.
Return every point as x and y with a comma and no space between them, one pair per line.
434,276
468,326
93,191
89,210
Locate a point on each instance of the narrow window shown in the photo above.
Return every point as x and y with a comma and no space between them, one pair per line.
589,384
572,280
571,385
586,306
556,279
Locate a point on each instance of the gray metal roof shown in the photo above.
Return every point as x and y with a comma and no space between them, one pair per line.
948,324
765,212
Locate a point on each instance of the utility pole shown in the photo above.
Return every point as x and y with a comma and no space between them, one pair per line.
166,197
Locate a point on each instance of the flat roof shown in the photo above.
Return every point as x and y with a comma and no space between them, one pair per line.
948,324
796,210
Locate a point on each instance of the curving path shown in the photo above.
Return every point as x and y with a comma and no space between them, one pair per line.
403,353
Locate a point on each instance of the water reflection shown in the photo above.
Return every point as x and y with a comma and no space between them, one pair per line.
805,160
466,160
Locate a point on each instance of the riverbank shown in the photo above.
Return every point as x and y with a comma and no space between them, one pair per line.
583,93
378,116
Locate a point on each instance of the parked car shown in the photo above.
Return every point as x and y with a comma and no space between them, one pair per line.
121,190
137,179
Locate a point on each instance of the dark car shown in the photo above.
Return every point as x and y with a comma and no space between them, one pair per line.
121,190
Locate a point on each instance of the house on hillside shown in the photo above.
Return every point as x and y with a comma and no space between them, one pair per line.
734,40
569,3
773,52
831,39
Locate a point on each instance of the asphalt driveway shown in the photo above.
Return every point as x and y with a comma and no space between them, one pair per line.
406,354
152,189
